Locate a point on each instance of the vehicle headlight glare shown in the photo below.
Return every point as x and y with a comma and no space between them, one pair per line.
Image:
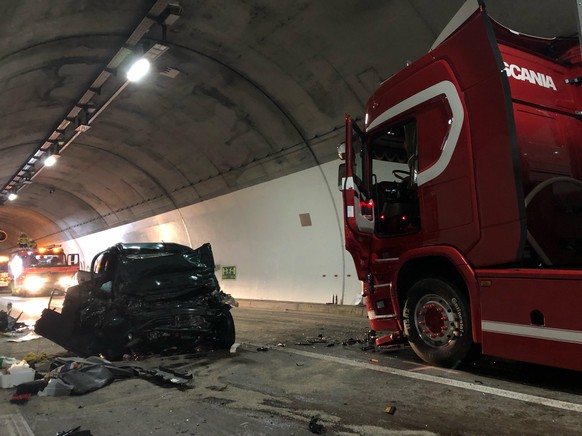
66,282
34,283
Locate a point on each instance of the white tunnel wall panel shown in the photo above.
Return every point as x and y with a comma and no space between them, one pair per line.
259,230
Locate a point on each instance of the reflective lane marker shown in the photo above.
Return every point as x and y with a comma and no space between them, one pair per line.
14,425
574,407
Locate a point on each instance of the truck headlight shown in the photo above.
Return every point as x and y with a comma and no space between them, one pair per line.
66,282
34,283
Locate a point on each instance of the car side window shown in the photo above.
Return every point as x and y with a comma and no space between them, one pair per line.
99,264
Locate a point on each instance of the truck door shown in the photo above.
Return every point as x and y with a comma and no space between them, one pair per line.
358,202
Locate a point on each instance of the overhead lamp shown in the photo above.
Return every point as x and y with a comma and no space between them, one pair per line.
171,14
138,70
51,158
28,175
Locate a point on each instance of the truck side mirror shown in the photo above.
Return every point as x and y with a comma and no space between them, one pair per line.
73,259
341,176
341,151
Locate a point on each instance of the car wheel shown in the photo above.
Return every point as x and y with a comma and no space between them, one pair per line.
225,332
437,322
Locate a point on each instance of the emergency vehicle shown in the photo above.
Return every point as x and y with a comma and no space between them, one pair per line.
462,198
40,271
5,278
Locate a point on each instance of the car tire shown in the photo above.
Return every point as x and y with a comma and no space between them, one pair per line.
225,332
437,322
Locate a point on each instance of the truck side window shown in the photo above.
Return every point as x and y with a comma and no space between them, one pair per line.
394,168
359,162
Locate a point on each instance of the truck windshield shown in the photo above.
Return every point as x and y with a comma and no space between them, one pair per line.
47,260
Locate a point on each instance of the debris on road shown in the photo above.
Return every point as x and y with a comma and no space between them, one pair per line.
76,431
390,410
20,398
315,427
78,376
166,376
262,349
10,324
14,372
28,337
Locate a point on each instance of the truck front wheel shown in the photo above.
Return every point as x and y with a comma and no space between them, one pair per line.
437,322
19,292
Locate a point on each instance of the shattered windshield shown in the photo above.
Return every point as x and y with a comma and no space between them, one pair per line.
167,274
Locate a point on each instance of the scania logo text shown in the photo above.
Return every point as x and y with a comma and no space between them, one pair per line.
530,76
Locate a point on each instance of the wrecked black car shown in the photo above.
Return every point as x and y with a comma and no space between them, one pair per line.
143,298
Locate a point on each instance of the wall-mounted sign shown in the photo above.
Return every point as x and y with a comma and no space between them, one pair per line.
3,235
229,273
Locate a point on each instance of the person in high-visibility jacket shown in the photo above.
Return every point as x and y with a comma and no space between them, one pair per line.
23,240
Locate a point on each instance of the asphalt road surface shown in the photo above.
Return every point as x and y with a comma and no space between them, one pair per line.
314,370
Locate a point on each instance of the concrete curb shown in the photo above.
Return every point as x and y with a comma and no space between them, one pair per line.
335,309
338,309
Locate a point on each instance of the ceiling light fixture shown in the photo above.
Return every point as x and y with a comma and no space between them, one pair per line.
138,70
85,110
12,196
51,155
51,160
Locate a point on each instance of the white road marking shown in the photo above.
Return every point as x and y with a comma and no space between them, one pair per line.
15,425
564,405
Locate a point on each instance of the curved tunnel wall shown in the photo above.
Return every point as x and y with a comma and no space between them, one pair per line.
258,230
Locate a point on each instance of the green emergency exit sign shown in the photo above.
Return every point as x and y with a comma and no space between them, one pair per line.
229,273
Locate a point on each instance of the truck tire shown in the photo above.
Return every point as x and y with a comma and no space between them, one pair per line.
17,292
437,322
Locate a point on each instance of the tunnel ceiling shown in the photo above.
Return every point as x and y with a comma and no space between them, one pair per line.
246,91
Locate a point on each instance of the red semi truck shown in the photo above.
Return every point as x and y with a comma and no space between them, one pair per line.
462,198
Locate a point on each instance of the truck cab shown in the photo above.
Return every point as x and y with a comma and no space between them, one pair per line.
42,271
463,197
